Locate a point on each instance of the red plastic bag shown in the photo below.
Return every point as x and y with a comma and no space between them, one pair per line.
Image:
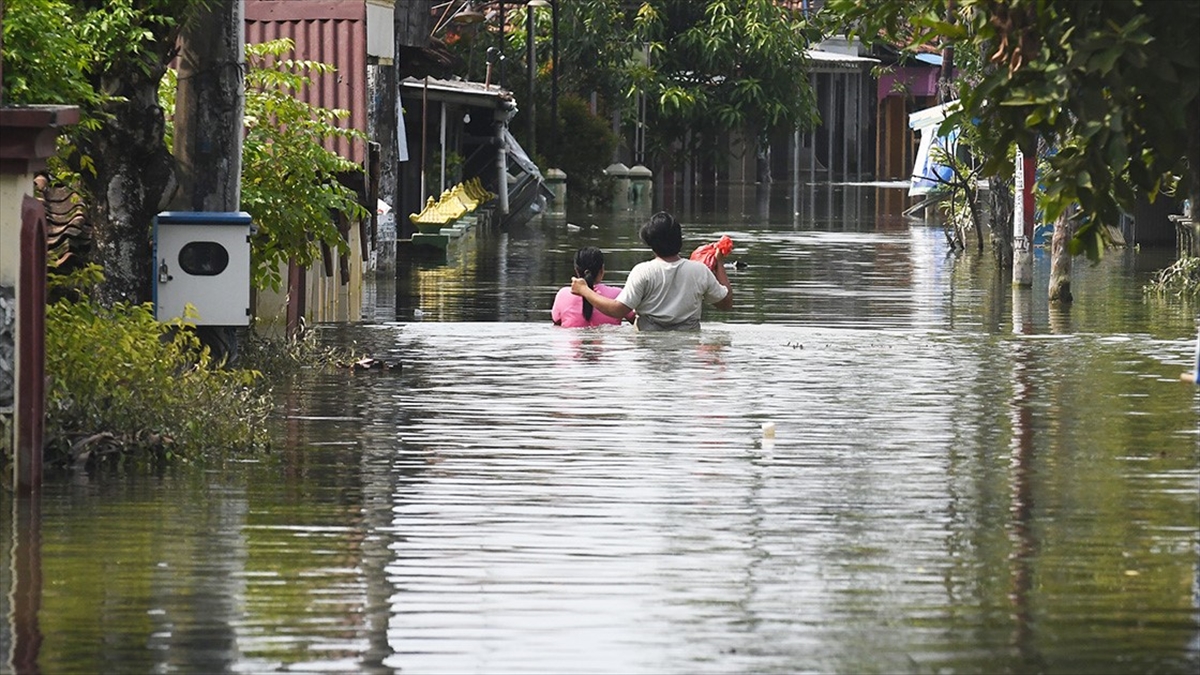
707,253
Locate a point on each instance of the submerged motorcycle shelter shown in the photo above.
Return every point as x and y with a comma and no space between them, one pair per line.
455,131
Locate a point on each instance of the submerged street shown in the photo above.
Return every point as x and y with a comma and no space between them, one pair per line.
962,478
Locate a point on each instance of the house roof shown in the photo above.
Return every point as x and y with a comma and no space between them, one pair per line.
824,61
459,91
838,54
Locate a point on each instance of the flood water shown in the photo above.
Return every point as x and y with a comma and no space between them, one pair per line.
962,479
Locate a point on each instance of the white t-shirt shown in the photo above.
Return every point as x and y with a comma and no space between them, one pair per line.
670,295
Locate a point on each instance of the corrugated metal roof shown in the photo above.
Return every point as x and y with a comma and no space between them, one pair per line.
329,31
458,91
825,61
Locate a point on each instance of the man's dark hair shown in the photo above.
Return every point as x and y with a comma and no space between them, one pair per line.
662,234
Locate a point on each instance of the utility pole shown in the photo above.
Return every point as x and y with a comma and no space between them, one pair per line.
210,104
1023,220
209,107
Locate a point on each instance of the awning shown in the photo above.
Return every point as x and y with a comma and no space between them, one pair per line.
823,61
923,119
457,91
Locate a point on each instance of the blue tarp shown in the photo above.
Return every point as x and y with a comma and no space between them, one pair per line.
929,171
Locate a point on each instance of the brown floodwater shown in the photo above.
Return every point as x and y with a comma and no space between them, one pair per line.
962,478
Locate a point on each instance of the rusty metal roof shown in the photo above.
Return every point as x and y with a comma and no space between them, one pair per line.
458,91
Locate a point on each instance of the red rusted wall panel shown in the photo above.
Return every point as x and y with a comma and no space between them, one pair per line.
329,31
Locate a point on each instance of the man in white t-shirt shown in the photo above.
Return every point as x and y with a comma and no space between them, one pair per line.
668,292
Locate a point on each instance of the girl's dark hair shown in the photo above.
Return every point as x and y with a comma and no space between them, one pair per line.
663,234
589,260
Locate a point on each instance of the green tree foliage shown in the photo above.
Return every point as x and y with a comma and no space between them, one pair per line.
1111,86
290,182
120,48
44,59
60,52
289,178
587,154
701,67
719,65
596,44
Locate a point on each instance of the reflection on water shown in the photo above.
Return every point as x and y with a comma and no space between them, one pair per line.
959,482
848,267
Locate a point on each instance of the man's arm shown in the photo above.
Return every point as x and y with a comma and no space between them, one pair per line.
718,269
609,306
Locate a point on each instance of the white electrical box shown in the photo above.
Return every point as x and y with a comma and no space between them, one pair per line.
202,258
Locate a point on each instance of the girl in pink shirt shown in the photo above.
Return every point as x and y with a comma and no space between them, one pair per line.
572,311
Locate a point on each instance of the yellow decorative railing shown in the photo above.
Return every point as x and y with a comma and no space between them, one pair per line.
456,202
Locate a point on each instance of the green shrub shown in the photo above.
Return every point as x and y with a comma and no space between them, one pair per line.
1180,280
122,384
280,357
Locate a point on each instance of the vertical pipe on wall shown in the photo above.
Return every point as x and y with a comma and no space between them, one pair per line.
796,171
554,75
846,125
531,74
829,127
442,141
812,135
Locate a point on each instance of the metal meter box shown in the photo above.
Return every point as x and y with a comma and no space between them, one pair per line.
202,258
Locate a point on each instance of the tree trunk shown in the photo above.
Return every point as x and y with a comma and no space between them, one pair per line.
1000,216
945,81
133,172
1060,259
125,167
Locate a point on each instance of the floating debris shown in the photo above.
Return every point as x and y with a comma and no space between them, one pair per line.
368,363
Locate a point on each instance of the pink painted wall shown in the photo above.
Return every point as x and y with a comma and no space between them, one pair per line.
910,80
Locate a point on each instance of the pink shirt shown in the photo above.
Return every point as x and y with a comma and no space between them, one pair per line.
568,308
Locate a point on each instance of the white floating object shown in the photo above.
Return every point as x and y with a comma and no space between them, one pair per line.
572,227
417,313
768,430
